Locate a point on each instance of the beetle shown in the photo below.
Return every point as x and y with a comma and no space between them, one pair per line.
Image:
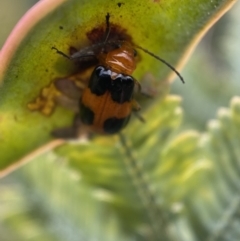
106,104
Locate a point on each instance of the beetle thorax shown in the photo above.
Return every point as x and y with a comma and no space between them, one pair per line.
120,60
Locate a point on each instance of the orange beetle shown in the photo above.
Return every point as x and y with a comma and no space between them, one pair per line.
107,102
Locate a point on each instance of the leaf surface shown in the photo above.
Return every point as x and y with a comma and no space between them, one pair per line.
28,65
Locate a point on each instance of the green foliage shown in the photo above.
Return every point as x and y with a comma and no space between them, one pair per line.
56,207
156,181
29,65
113,192
216,200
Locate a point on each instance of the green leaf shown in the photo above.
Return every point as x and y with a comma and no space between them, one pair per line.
153,182
28,65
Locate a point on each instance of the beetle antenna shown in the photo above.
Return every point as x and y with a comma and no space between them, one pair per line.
61,53
162,60
107,32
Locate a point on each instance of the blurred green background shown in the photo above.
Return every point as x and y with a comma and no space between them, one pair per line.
212,74
212,79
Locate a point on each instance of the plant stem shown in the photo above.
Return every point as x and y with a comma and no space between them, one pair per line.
157,218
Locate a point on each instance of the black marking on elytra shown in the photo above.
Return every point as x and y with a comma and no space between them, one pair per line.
121,88
100,81
86,114
114,125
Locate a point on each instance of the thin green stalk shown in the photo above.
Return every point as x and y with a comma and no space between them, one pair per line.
157,218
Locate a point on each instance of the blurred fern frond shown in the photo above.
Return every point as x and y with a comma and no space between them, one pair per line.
151,183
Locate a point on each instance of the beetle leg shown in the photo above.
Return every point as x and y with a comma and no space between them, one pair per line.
135,108
149,85
70,132
68,88
65,133
84,53
68,103
135,105
137,87
140,89
77,130
70,94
